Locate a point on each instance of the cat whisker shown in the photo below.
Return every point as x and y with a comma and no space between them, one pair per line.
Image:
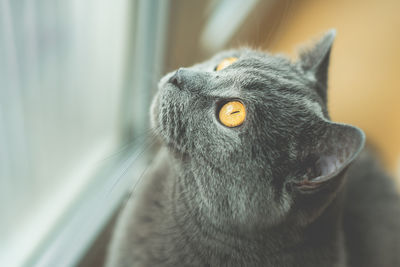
143,149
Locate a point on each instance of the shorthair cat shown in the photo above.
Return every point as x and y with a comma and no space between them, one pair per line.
254,173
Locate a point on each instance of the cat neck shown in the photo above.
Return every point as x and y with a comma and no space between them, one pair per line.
319,241
211,237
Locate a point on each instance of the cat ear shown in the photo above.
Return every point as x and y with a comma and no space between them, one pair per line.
316,61
328,158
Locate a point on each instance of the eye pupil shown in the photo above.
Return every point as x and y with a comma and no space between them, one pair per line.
232,114
225,63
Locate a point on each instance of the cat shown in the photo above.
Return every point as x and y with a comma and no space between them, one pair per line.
252,172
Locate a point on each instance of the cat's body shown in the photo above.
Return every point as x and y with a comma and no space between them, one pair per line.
366,235
371,216
271,191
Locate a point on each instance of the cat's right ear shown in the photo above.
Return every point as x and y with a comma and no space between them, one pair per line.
327,159
322,167
315,61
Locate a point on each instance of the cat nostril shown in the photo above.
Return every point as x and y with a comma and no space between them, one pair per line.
176,79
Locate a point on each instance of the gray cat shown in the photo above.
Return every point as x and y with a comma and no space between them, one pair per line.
253,173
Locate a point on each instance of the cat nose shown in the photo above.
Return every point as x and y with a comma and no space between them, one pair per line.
177,78
186,79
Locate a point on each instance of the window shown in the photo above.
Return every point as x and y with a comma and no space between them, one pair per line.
74,96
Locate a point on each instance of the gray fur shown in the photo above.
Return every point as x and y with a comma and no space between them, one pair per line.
271,192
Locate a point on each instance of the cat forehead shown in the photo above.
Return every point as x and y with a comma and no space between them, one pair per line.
254,66
255,71
261,77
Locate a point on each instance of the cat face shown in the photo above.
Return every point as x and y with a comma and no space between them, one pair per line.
254,132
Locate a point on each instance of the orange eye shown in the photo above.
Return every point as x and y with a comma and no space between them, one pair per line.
232,114
225,63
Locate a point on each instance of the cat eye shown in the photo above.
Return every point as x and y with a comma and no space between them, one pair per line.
225,63
232,114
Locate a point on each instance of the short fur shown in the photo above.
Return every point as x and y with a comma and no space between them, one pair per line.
274,191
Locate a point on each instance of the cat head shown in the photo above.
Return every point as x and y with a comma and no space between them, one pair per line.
252,131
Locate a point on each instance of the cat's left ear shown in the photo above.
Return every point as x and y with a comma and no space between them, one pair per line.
316,62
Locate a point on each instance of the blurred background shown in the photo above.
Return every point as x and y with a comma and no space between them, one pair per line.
77,78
